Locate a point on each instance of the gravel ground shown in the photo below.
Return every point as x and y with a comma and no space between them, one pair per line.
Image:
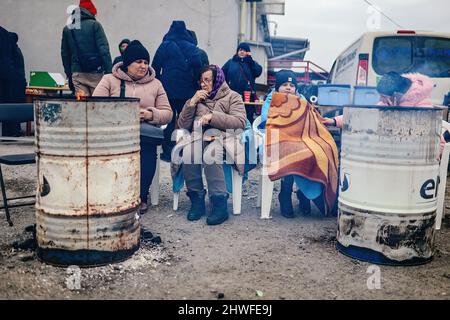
244,258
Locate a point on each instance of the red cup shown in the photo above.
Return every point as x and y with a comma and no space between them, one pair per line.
247,95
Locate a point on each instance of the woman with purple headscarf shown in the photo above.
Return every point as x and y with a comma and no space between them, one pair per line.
220,111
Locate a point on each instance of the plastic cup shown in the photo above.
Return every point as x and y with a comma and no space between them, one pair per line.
247,95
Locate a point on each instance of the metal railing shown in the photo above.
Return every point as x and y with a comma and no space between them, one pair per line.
307,70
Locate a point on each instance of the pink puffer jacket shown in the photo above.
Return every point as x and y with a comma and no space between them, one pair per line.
418,95
148,89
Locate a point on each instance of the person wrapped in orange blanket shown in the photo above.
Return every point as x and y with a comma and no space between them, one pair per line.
299,144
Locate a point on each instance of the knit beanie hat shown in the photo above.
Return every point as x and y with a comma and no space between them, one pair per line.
88,5
135,51
283,76
393,82
244,46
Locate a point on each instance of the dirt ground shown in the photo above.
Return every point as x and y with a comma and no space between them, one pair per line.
244,258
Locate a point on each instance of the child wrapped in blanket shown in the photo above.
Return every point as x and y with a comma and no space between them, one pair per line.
308,154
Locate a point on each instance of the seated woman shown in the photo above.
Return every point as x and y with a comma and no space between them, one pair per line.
219,108
308,189
407,90
140,82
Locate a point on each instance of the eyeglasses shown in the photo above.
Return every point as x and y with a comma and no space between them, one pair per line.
205,81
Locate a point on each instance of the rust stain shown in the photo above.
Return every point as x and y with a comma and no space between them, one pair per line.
100,234
87,178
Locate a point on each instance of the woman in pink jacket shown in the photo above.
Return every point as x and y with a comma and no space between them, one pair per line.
407,90
140,82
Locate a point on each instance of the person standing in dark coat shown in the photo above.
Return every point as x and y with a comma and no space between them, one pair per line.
203,55
177,62
12,77
122,46
85,51
241,72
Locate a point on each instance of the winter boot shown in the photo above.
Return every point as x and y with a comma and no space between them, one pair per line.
285,198
219,211
320,204
305,203
198,208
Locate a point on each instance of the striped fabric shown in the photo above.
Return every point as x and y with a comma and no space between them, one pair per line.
298,143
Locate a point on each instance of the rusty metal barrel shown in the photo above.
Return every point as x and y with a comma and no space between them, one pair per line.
88,166
389,178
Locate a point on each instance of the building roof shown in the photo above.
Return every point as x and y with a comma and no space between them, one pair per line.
285,45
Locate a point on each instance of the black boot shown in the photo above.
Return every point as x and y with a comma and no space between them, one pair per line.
219,210
305,203
285,198
198,208
320,203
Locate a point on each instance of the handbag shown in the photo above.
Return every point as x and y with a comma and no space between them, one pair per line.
89,62
252,90
150,133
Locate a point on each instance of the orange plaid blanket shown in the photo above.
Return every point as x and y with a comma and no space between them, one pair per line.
298,143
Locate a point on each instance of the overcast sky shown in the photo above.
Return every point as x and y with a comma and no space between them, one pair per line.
332,25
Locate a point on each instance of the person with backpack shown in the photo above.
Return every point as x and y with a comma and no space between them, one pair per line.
85,51
203,55
240,74
134,78
177,64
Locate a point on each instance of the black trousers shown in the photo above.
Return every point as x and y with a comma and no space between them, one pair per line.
250,113
10,129
148,166
177,105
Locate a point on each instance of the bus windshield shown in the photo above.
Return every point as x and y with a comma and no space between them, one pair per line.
426,55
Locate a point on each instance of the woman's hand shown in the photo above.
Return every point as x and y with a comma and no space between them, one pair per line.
199,95
146,115
329,122
206,119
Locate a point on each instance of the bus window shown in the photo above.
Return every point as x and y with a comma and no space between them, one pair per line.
432,57
392,54
426,55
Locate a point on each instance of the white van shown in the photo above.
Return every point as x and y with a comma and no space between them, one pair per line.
376,53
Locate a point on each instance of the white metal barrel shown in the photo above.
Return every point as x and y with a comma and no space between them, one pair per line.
388,183
89,179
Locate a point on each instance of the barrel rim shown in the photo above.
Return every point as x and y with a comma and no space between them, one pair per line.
396,108
87,99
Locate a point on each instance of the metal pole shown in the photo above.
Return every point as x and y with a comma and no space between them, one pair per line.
243,21
254,25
